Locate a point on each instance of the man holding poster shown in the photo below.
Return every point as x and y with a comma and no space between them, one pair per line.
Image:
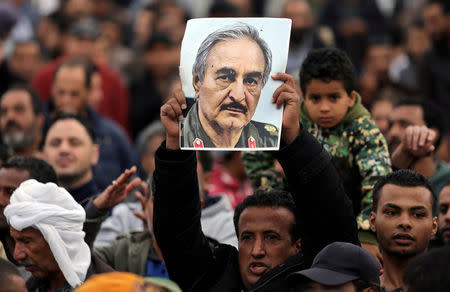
231,67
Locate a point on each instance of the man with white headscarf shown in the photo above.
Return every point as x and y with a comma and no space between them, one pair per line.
46,224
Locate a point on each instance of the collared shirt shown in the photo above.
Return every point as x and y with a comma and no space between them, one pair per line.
254,134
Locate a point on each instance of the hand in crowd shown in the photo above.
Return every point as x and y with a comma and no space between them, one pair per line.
374,251
142,197
117,192
286,95
417,142
171,113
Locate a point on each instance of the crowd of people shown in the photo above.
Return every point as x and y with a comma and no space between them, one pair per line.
96,194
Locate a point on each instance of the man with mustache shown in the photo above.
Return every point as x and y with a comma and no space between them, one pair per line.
278,232
231,67
402,218
21,120
46,224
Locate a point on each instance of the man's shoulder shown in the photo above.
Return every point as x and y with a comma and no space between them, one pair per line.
263,134
106,126
265,130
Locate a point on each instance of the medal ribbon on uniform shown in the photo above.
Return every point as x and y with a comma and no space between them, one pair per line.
198,143
251,142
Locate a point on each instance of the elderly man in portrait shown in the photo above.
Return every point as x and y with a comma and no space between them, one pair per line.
46,223
231,67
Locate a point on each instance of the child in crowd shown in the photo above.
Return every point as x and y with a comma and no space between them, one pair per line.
332,111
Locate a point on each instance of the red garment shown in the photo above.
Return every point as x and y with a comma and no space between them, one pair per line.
115,102
224,184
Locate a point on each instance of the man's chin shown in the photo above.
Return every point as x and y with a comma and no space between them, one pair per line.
404,253
233,123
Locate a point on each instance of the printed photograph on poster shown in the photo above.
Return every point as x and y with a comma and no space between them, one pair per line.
225,69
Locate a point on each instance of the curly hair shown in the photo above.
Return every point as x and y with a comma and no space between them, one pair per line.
328,64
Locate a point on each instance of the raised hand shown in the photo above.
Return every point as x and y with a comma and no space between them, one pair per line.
171,113
117,192
286,95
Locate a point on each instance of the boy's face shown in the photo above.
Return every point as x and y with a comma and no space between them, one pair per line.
327,102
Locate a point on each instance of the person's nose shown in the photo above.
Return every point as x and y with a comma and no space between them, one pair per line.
404,222
8,115
237,91
324,107
258,249
19,252
64,148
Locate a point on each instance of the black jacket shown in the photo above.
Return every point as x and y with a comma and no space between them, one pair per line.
315,186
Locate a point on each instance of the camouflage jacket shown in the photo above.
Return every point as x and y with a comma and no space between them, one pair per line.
359,153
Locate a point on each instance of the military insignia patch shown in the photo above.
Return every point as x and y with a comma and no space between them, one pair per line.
198,143
271,129
251,142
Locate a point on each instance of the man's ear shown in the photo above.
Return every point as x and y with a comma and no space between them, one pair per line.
435,226
298,245
196,84
372,218
352,98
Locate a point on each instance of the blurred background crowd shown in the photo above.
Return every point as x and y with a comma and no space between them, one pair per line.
129,53
400,48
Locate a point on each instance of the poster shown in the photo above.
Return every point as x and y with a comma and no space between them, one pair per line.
225,69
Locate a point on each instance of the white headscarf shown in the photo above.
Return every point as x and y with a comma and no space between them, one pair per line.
55,213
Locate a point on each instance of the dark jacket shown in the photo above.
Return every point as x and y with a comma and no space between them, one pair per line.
316,188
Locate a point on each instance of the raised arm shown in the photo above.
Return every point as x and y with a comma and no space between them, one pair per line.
177,211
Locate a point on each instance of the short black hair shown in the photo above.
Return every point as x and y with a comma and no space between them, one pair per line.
433,115
7,269
268,198
66,116
85,63
328,64
403,178
37,168
429,271
35,99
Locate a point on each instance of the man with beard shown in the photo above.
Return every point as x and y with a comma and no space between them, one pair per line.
21,120
46,224
402,218
70,148
231,68
416,128
72,87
